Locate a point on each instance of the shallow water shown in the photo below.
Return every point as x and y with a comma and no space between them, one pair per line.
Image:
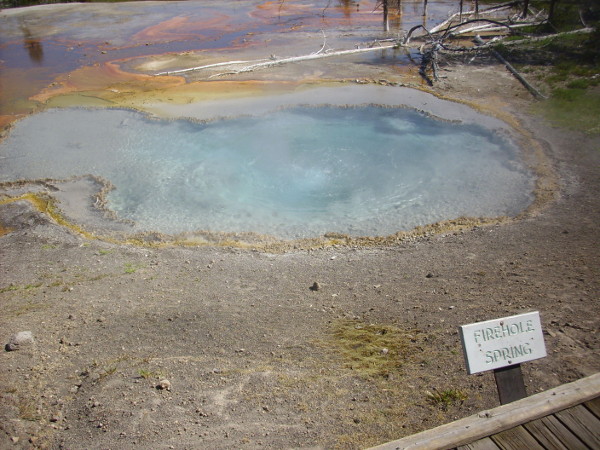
38,44
298,172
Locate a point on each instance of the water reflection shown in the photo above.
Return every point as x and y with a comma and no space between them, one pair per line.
348,7
33,45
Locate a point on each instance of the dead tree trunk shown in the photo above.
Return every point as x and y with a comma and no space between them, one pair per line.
525,8
386,20
551,11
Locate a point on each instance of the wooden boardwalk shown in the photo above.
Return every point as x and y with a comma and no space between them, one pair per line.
567,417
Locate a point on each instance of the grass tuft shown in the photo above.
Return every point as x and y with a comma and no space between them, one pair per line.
446,398
372,350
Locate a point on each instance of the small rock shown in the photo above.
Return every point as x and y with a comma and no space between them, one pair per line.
315,287
18,340
14,439
384,351
164,385
429,275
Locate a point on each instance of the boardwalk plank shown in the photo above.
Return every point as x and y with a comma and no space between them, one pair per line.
594,406
496,420
481,444
553,435
516,438
582,423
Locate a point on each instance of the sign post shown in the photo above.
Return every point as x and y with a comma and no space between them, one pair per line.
502,345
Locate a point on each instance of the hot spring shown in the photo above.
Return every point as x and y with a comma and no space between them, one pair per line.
373,162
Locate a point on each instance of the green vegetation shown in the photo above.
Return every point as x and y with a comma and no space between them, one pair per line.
573,107
446,398
574,95
107,372
565,67
372,350
132,268
28,410
568,70
14,287
148,374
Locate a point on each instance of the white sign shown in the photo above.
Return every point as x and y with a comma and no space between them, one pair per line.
502,342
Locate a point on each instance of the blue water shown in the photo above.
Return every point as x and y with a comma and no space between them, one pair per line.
293,173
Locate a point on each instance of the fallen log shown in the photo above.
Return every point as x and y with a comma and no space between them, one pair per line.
528,40
479,13
265,63
208,66
537,94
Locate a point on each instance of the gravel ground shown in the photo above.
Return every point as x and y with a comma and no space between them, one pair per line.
218,347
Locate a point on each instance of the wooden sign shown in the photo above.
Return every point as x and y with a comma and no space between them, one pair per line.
502,342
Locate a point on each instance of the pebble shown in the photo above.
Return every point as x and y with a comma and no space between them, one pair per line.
18,340
164,385
316,286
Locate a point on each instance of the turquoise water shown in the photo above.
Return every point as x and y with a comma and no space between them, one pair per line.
293,173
